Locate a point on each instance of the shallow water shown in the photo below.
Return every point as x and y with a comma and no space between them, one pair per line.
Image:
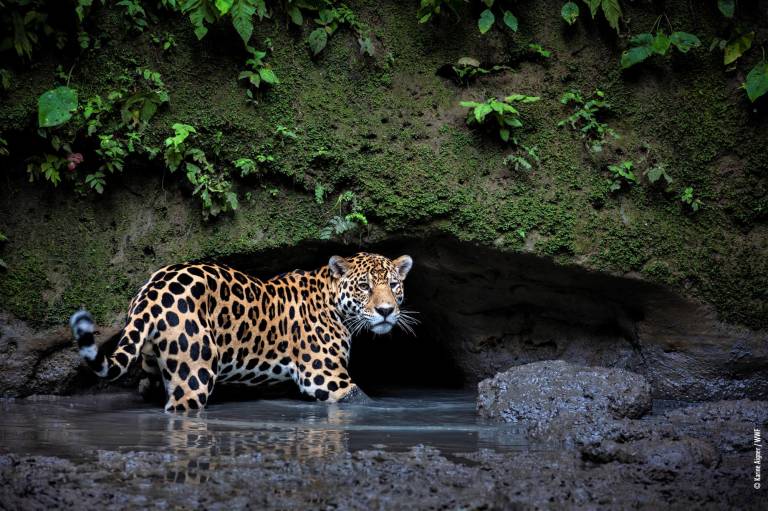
77,426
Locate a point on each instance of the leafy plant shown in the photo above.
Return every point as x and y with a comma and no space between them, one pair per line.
734,47
622,175
167,41
658,174
727,7
213,187
570,12
329,20
135,12
486,20
524,161
55,107
506,116
349,218
644,45
468,69
539,50
756,83
206,12
259,72
688,198
611,11
429,8
4,147
585,117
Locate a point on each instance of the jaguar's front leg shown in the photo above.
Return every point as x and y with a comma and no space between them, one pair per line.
325,378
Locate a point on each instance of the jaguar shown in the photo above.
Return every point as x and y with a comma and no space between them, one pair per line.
196,325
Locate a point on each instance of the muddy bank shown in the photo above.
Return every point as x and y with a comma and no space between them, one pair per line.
421,478
573,445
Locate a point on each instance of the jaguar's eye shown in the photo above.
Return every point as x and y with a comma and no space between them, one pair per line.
393,284
364,286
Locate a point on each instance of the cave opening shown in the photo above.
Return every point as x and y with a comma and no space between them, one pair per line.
482,311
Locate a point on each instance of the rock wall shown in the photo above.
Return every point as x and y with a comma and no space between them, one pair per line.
537,265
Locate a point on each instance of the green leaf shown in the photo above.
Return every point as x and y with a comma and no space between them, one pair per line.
510,20
485,22
268,76
317,40
684,41
661,43
56,106
570,12
481,111
242,18
594,5
736,48
635,55
469,104
727,7
612,12
224,6
295,14
504,134
757,81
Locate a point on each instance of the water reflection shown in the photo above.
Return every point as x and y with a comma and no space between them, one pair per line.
76,427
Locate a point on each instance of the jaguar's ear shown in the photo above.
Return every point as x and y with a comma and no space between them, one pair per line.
338,266
403,265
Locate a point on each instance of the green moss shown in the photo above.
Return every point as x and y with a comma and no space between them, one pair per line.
392,132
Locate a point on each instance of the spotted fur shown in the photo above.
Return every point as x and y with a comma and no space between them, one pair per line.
196,325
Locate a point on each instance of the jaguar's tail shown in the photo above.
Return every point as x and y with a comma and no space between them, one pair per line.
108,365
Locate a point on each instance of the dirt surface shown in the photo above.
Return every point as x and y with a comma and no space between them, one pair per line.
695,457
419,479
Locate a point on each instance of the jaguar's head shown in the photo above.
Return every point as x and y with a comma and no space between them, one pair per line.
369,292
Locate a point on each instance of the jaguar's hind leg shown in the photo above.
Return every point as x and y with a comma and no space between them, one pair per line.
188,364
151,383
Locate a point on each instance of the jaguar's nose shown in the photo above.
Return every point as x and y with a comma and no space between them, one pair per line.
384,311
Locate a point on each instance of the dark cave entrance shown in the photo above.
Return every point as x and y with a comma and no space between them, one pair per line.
483,311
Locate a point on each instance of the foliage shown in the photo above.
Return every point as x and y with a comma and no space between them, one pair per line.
658,174
259,72
468,69
206,12
167,41
644,45
539,50
506,116
486,21
688,198
525,161
727,7
329,20
56,106
735,47
585,117
135,12
622,175
348,219
23,24
756,84
113,123
214,187
570,12
611,10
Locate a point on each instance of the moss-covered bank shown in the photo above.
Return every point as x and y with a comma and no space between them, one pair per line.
390,128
